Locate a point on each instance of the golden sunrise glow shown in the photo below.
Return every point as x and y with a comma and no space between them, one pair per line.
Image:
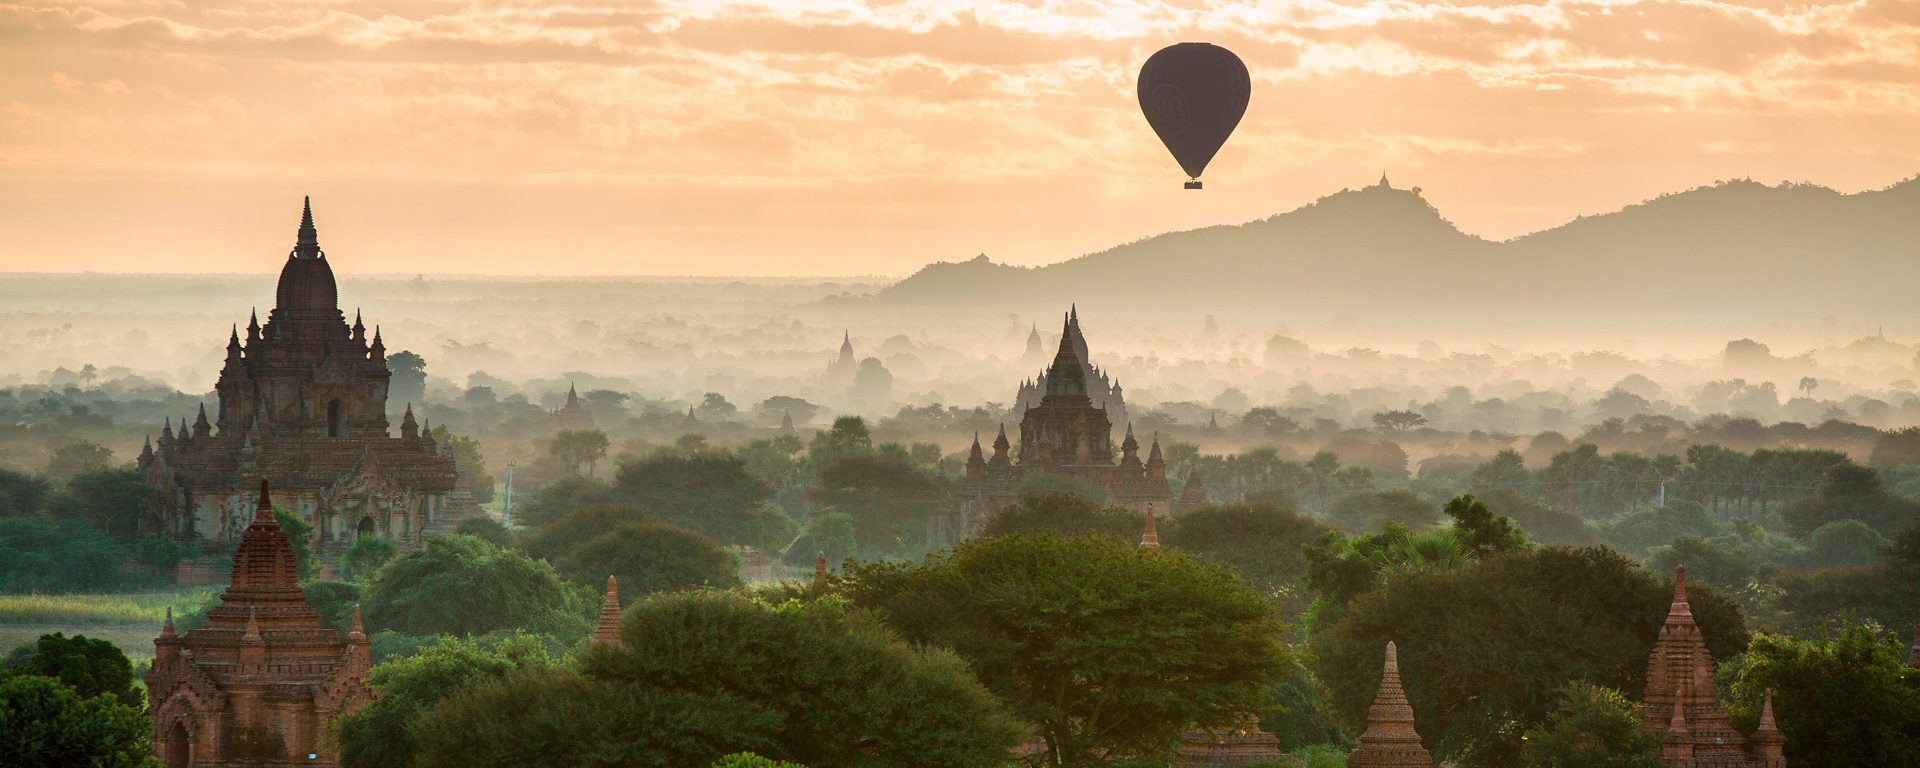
841,137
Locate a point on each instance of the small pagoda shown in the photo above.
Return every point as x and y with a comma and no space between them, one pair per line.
262,682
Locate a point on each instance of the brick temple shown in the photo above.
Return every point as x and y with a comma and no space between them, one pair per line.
1066,431
260,684
1680,704
303,404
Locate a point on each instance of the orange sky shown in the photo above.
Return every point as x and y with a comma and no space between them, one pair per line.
839,137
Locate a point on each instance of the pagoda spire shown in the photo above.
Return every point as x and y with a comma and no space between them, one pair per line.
1768,743
820,577
1150,538
308,244
1390,740
409,429
607,632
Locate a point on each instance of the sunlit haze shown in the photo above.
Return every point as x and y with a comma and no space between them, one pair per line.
850,138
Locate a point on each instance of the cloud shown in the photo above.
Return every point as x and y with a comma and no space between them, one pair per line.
943,116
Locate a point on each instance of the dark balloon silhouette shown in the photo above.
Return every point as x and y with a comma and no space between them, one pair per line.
1193,95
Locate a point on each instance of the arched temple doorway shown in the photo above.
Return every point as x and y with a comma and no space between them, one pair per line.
179,752
366,527
336,419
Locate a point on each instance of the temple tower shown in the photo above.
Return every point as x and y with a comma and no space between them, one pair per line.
262,682
1390,740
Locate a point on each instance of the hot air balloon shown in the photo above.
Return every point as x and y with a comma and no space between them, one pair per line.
1193,95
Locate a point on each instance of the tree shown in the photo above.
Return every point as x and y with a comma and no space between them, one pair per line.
1398,421
651,557
366,555
21,493
714,407
466,454
888,498
1807,385
709,493
486,528
90,667
1265,544
772,409
67,554
1593,727
1110,650
77,457
1065,513
750,760
1367,511
574,447
1851,492
408,384
378,735
1841,697
117,501
849,434
1485,648
44,724
559,499
461,585
699,675
299,539
1481,533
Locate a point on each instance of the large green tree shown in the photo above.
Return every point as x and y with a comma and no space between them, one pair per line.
1064,513
44,724
887,496
379,735
1592,727
700,675
461,585
651,557
1842,697
1486,647
708,492
1851,492
1265,543
1111,651
91,667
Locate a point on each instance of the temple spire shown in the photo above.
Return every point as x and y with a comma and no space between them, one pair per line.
1150,538
308,244
820,570
607,632
1390,740
263,509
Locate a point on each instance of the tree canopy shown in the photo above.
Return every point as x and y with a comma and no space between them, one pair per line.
44,724
1486,647
651,557
1111,651
461,585
700,675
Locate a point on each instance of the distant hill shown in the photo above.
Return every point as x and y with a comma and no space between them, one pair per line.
1737,247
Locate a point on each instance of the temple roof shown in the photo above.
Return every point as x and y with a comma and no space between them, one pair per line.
306,282
1390,740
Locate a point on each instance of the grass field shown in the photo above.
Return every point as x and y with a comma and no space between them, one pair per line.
129,621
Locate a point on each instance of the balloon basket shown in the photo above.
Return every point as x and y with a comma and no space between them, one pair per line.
1193,185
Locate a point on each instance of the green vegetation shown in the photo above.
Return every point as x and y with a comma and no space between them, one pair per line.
706,674
1080,634
44,724
1841,697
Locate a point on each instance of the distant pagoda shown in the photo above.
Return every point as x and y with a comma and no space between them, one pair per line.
1680,705
1066,430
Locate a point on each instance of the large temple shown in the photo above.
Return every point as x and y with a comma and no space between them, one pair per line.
263,681
303,404
1066,431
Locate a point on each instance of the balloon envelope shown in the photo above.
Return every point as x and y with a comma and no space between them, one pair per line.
1193,95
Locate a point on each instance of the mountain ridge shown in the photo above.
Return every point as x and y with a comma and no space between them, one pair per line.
1402,250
